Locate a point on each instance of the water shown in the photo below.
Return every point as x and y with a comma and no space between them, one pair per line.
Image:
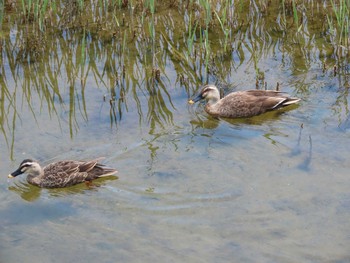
273,188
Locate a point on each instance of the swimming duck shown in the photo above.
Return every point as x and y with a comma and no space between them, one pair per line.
242,103
62,173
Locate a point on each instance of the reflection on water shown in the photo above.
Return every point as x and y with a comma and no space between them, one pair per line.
27,191
112,78
130,64
298,150
31,193
305,165
203,120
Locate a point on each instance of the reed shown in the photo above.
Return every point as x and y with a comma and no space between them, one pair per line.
284,20
341,12
125,38
205,4
2,7
295,16
225,29
151,6
80,4
43,13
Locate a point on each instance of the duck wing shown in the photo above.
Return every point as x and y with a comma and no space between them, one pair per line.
250,103
62,174
96,169
271,99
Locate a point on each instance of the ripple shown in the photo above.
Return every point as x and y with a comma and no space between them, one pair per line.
160,200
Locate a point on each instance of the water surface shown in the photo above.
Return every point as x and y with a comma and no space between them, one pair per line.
273,188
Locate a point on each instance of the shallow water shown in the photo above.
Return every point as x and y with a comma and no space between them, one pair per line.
273,188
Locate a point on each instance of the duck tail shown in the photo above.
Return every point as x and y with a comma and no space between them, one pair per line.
290,100
108,172
285,102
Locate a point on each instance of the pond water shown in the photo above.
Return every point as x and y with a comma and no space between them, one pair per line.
273,188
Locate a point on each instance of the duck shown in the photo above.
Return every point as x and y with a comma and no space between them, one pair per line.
62,173
242,104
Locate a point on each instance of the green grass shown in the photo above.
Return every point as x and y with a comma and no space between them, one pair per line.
134,39
341,11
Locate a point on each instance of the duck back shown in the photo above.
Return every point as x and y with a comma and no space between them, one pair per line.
249,103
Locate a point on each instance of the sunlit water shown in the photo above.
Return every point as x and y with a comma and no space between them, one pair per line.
190,188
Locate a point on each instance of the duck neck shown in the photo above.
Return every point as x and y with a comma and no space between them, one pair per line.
213,97
212,101
35,176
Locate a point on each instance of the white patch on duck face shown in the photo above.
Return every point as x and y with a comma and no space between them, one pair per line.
25,166
207,91
211,93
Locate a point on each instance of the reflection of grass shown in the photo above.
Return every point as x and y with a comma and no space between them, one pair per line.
135,40
191,37
7,102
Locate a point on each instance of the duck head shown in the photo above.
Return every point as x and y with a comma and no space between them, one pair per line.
209,92
27,166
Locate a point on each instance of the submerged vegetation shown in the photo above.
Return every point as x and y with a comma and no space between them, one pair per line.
207,23
42,41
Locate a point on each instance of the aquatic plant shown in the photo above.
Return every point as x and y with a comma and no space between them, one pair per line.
134,41
225,28
341,12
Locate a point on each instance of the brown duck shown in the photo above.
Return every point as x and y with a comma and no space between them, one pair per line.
242,103
62,173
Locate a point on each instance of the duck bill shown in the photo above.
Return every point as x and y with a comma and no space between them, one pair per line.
194,100
15,173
